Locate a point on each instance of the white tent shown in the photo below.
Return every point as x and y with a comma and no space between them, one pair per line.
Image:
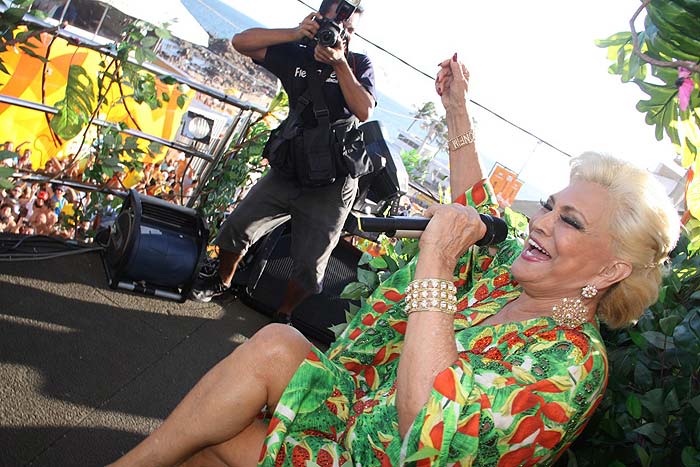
161,12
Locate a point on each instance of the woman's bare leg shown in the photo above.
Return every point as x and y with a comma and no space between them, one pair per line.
243,450
227,399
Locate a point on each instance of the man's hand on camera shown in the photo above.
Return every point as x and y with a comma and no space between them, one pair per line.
309,26
330,55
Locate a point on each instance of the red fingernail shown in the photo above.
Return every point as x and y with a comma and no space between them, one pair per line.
454,57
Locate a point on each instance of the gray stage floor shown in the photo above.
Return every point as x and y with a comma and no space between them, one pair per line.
86,371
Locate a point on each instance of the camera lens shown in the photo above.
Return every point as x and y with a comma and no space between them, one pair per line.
327,37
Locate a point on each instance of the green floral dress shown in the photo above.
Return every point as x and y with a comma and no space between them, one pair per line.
517,396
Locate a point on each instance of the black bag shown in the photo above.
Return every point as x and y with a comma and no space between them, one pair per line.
279,149
317,156
316,163
350,148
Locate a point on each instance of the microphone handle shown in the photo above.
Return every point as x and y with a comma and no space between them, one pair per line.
393,225
390,225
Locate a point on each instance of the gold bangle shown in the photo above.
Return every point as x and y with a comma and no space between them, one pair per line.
462,140
431,295
440,284
421,310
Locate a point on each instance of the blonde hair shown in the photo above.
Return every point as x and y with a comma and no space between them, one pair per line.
644,225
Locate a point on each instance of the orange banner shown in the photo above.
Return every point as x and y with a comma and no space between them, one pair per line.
505,184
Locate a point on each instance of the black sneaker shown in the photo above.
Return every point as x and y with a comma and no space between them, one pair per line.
207,289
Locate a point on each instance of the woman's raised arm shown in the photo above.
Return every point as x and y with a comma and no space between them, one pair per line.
452,84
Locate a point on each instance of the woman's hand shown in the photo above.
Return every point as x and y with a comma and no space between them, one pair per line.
452,230
452,84
308,26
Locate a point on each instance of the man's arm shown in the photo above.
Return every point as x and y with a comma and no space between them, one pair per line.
359,100
254,42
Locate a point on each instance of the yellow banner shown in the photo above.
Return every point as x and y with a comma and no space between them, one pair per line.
36,81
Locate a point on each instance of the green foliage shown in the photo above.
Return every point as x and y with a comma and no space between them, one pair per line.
518,223
109,149
26,41
10,36
671,33
395,254
372,270
231,174
77,107
6,172
416,165
427,111
692,228
650,414
85,96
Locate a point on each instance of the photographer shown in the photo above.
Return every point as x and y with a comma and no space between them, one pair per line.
317,213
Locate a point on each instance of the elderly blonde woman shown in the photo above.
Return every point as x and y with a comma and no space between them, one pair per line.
467,356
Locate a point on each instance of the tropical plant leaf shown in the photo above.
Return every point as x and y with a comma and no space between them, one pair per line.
365,259
634,407
687,334
149,41
31,53
659,108
14,15
368,278
378,263
672,31
655,432
5,174
4,154
75,109
690,457
659,340
354,291
692,195
163,33
616,39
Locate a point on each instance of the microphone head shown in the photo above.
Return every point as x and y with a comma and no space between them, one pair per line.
500,229
496,230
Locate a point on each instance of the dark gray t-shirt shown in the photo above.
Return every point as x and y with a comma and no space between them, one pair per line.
287,61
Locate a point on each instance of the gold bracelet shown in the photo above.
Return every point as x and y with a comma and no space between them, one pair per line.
437,309
431,295
461,140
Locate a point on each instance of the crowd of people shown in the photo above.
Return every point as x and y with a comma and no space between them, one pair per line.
224,69
31,207
43,208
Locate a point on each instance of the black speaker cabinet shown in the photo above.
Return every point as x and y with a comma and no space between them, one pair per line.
315,315
155,247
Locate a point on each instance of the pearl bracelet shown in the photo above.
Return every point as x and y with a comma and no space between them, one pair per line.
431,295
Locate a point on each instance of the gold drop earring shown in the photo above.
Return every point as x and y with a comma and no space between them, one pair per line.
571,312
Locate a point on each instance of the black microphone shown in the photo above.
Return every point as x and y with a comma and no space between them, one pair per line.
496,228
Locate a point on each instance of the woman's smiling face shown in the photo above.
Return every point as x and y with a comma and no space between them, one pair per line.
570,242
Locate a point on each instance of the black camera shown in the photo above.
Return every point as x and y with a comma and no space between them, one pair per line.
331,31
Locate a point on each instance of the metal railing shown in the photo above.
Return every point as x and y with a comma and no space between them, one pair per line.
239,124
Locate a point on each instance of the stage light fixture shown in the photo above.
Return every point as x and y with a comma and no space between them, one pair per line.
198,127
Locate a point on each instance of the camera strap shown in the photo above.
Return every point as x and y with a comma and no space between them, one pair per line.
315,82
294,118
